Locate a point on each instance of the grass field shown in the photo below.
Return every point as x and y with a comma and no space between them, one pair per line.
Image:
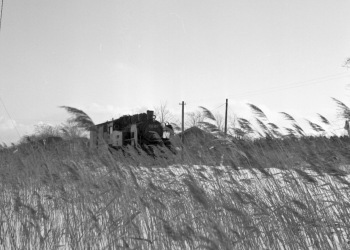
267,194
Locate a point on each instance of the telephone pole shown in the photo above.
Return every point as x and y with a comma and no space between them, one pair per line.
183,120
226,117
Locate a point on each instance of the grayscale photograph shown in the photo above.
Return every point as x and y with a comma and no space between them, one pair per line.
174,124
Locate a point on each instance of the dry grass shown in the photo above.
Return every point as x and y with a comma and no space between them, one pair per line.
266,194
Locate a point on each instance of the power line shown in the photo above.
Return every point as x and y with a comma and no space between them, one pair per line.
285,86
14,125
295,85
2,6
217,107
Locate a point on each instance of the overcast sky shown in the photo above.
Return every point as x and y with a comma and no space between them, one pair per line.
115,57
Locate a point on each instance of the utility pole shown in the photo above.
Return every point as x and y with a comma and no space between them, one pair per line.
182,129
226,117
183,120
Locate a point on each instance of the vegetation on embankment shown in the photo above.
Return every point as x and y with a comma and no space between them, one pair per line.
64,197
269,193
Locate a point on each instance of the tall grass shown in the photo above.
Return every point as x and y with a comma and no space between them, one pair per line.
268,193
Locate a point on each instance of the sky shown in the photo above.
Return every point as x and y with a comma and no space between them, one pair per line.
111,58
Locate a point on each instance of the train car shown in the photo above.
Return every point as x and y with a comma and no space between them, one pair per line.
136,130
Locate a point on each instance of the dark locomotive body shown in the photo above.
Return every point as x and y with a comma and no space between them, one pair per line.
140,129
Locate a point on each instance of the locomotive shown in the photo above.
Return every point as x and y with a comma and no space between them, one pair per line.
135,130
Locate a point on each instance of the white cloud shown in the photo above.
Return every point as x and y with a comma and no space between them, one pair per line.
11,131
99,108
6,124
103,112
41,123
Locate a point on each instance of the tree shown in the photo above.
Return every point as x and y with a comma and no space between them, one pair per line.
220,121
162,113
232,125
44,130
194,119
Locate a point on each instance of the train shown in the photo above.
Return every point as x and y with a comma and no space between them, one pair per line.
136,130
